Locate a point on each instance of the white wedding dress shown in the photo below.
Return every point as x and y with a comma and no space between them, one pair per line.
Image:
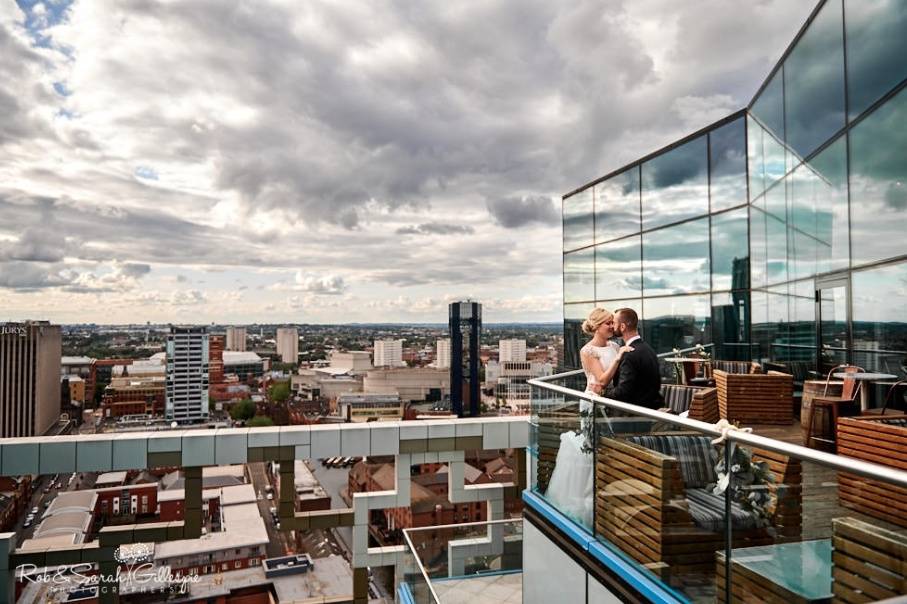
570,487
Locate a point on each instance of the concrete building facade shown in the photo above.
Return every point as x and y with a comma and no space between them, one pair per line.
389,353
442,356
512,351
30,354
187,374
236,339
288,344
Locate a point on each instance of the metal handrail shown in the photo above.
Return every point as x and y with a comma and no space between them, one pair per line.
415,556
665,355
837,462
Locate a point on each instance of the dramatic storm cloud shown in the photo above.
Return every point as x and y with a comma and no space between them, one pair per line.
333,161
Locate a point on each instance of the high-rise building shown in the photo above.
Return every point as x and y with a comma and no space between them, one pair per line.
442,357
236,339
30,355
288,344
465,321
187,374
215,359
512,351
389,353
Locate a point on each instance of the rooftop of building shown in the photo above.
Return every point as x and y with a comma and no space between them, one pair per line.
66,523
76,360
72,501
111,478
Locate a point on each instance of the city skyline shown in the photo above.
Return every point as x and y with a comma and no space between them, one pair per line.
265,168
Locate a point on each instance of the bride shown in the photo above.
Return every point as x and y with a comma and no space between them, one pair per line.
570,487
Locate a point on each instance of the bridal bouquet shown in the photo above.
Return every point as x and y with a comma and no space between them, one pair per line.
747,483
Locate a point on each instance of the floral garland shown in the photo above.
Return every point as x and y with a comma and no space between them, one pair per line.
748,484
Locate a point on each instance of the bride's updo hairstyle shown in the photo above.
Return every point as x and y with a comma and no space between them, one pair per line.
595,319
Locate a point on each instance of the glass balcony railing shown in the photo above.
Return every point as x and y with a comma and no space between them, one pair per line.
744,518
479,562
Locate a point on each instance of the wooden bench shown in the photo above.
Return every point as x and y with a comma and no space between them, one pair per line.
642,507
881,440
755,398
701,402
869,563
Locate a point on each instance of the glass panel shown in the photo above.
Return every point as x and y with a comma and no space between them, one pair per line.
579,275
802,309
760,327
574,338
778,323
677,322
818,200
776,250
730,252
879,312
577,211
876,47
814,82
769,107
878,182
731,326
727,146
756,158
776,159
758,251
617,206
617,268
676,259
833,326
803,251
675,185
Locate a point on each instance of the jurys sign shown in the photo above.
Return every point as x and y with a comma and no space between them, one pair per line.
13,329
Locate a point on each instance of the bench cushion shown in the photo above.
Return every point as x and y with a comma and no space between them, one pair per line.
707,510
696,454
677,398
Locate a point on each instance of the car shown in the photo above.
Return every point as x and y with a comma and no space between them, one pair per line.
27,524
270,496
259,496
46,504
35,510
273,511
48,488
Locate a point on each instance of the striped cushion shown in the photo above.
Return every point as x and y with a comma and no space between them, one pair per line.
707,510
898,421
677,398
696,455
733,366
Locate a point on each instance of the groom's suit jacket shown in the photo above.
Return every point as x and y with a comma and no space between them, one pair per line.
638,380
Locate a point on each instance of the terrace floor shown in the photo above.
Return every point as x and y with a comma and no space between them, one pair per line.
494,589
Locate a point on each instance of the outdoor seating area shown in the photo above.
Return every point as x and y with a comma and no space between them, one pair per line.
654,499
755,398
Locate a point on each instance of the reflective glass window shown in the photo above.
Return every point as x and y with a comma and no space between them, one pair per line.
675,185
617,206
730,250
758,252
677,322
777,328
574,338
814,82
617,269
802,309
759,325
769,107
776,201
577,210
776,159
727,150
803,252
579,275
876,47
755,157
776,250
879,312
676,259
878,182
730,325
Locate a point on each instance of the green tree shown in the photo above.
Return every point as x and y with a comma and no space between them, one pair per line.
242,410
259,421
279,392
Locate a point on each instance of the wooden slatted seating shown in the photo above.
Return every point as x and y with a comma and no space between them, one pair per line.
877,439
653,501
755,398
701,402
869,563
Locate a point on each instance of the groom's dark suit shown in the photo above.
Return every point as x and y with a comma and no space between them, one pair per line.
638,380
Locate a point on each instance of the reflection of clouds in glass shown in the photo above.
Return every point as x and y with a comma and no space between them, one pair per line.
577,312
769,107
677,259
757,248
579,277
880,295
728,165
876,47
617,206
878,146
578,220
730,252
676,322
814,82
617,267
675,185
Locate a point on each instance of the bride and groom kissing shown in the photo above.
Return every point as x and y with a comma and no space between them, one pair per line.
627,373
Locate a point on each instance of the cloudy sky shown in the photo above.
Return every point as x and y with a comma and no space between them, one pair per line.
334,161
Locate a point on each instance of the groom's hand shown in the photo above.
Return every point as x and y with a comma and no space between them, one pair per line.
598,388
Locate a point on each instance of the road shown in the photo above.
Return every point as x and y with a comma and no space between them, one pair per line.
39,497
278,541
334,481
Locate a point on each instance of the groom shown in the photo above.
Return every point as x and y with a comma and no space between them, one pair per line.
638,380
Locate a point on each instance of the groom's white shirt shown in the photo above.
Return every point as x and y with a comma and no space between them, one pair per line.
633,339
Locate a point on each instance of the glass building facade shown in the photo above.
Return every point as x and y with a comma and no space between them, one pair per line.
775,234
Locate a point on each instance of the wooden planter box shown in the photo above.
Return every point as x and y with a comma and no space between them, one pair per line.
877,440
755,398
